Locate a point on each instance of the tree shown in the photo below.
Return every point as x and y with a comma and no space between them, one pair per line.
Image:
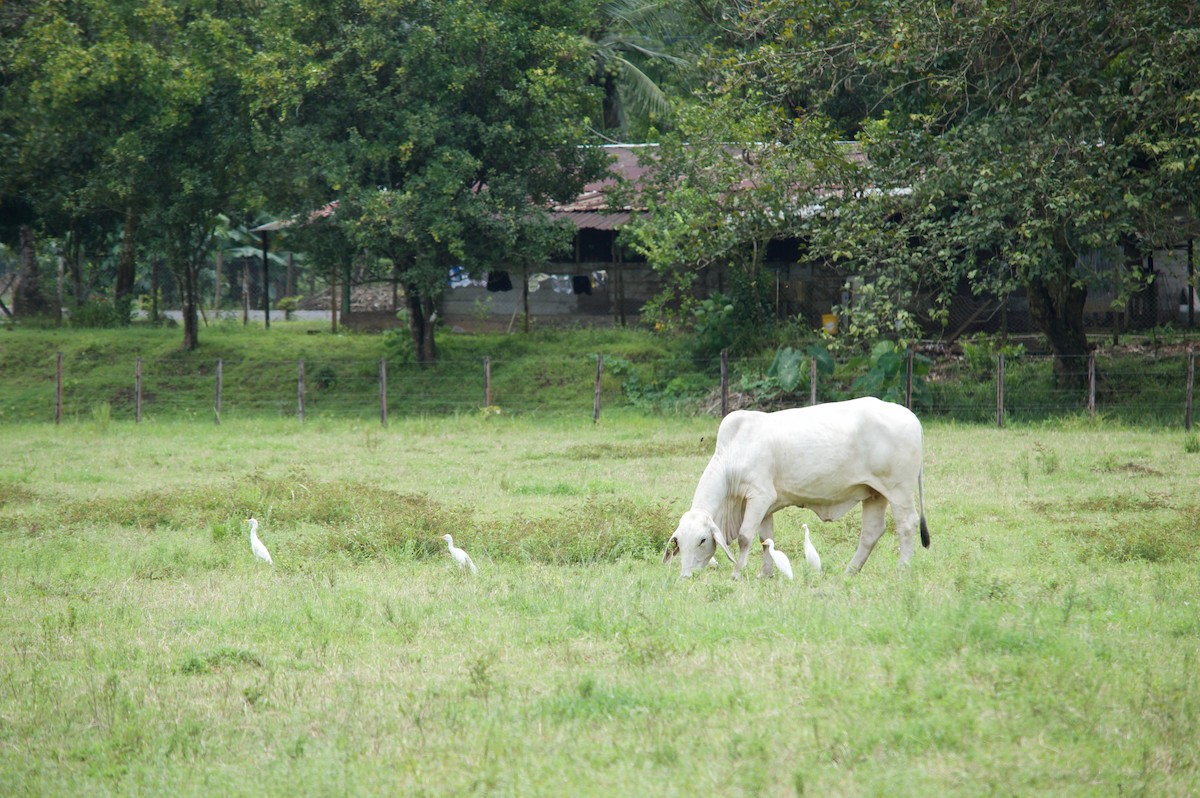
731,179
136,114
1005,141
627,46
438,127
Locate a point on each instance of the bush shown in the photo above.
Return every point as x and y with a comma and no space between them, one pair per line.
98,313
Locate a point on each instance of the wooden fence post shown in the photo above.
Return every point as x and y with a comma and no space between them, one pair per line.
217,401
300,392
487,382
908,380
812,381
1091,377
596,401
137,392
1000,390
383,391
724,383
1191,381
58,389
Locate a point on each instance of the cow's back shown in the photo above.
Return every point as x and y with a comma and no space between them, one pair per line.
859,440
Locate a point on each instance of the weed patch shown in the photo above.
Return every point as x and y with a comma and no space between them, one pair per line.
12,493
633,451
219,660
599,529
1149,539
1112,465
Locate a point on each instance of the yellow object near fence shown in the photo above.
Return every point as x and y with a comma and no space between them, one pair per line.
829,323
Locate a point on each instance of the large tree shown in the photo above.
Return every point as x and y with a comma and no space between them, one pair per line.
1005,141
137,117
438,127
1030,134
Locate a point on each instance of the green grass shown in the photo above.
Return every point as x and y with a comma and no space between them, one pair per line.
1046,644
547,372
551,370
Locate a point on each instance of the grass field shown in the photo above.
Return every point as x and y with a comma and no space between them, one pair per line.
1047,644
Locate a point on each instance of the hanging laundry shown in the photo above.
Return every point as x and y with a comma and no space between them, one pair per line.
581,284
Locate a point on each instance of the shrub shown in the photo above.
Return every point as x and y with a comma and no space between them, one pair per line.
98,313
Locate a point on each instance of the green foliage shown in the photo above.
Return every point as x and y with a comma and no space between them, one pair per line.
980,351
288,305
736,323
410,110
98,313
791,366
887,374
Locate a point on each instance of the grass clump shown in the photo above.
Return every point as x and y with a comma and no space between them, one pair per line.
220,659
1151,539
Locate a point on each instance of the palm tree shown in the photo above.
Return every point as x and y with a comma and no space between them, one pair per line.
629,39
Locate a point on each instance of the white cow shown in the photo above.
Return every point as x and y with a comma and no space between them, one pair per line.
827,458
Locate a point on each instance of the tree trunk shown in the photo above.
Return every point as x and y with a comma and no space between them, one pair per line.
191,319
525,297
1057,308
333,300
28,299
154,265
75,260
266,283
420,324
245,291
127,267
216,306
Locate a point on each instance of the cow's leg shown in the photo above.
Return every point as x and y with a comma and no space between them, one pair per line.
766,531
756,511
906,518
873,510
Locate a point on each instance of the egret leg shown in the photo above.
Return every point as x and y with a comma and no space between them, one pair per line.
873,510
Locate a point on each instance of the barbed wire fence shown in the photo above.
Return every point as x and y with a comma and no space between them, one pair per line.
1146,387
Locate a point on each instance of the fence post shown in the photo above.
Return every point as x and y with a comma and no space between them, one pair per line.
724,383
217,402
383,391
58,382
137,392
812,381
300,392
908,379
1191,381
487,381
1091,377
596,401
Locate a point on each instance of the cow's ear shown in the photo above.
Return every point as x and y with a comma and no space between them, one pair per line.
719,536
672,549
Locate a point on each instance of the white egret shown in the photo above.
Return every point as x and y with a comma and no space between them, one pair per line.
779,558
256,545
810,552
461,557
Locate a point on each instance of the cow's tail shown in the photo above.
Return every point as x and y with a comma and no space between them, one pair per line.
921,505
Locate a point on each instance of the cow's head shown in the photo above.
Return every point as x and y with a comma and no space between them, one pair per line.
695,540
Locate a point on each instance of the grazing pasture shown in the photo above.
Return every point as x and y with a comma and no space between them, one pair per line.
1048,643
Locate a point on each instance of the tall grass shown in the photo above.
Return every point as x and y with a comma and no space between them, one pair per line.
1046,644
